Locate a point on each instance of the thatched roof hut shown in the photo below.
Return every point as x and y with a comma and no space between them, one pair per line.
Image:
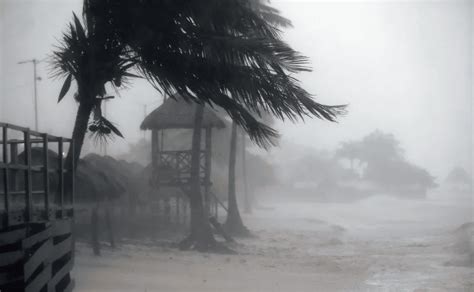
171,168
177,113
98,179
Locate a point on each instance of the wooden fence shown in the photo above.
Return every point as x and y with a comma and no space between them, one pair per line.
36,211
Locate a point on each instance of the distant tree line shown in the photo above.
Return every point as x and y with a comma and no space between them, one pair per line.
375,164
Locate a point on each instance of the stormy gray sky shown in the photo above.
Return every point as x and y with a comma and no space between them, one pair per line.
403,66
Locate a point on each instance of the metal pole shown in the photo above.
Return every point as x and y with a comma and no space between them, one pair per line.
36,93
35,80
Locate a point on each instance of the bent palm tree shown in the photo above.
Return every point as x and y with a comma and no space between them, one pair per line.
220,53
92,58
233,224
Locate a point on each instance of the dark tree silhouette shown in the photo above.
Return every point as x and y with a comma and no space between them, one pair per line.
233,224
350,150
379,147
459,175
201,236
385,162
220,53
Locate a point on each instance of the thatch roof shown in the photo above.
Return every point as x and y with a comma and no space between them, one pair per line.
176,113
97,178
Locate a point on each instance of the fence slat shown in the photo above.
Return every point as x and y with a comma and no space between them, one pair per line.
6,179
37,237
28,178
46,175
62,227
62,248
28,242
61,176
12,236
72,174
41,255
63,272
40,280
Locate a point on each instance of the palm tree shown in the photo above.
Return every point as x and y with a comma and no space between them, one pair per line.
92,58
201,236
220,53
233,224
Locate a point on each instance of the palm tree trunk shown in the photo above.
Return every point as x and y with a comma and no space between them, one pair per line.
201,236
233,224
247,202
95,230
109,223
79,132
80,128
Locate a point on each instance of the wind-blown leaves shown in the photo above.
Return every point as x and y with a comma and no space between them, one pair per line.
101,129
227,53
262,134
271,15
114,129
79,29
65,88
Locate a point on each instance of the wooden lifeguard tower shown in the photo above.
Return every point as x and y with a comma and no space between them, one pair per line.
36,211
171,168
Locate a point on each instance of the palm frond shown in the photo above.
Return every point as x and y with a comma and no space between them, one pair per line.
220,52
261,134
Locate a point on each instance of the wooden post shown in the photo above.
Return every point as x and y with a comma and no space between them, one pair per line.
28,178
155,162
72,173
6,179
14,161
207,170
109,223
61,175
185,211
155,155
162,140
95,230
178,219
46,176
167,209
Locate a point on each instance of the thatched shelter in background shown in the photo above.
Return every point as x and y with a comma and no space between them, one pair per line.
172,167
102,184
98,179
176,113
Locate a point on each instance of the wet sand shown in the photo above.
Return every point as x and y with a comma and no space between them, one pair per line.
378,244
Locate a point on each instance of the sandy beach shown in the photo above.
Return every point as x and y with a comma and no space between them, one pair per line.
307,246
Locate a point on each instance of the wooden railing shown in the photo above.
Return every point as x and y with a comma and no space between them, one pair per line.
175,167
35,184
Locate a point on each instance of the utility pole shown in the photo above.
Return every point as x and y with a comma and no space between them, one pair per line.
35,80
